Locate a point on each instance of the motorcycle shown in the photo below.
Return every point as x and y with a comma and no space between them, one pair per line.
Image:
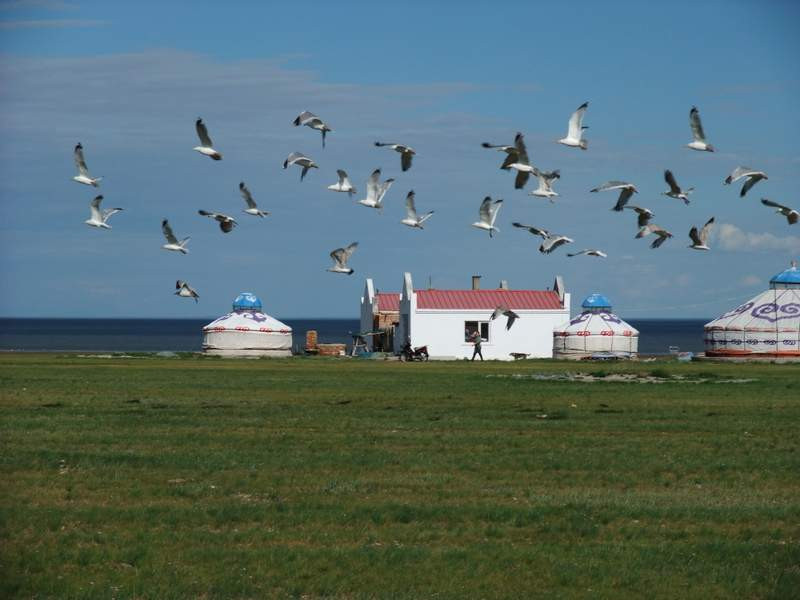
409,354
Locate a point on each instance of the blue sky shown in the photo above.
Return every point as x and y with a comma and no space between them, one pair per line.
129,79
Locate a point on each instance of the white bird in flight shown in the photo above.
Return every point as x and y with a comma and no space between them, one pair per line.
522,164
376,190
753,177
301,160
545,178
626,191
340,257
226,223
590,252
550,242
791,214
487,214
311,120
511,153
185,290
662,234
575,130
406,153
252,207
83,173
503,310
100,218
644,214
699,142
412,218
172,241
343,185
675,190
206,145
700,239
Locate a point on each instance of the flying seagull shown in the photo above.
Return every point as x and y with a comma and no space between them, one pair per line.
488,214
100,218
662,234
575,131
185,290
645,214
343,185
511,153
206,145
412,218
83,173
699,142
626,191
522,165
406,153
546,178
590,252
252,208
700,239
226,223
376,190
506,312
311,120
550,242
301,160
791,214
172,241
753,177
340,257
675,190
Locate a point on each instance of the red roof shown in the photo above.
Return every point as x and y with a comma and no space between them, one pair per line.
487,299
388,301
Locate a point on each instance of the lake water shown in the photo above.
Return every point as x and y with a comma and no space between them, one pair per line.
185,335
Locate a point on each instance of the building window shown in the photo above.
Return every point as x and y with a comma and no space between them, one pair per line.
471,327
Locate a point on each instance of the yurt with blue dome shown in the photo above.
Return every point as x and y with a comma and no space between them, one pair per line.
596,331
247,331
766,327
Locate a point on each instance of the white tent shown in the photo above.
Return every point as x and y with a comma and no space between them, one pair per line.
247,331
595,330
768,326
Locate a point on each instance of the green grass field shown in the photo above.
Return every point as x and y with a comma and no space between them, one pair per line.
202,478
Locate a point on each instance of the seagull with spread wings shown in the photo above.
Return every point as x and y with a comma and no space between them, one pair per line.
661,233
644,214
172,242
575,129
343,185
206,146
522,165
753,177
487,215
340,257
546,179
791,214
100,218
184,290
406,153
412,218
699,142
550,242
376,190
83,173
226,223
675,190
590,252
311,120
301,160
503,310
252,207
700,238
626,190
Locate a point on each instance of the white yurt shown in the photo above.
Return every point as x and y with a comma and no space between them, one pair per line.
247,331
596,330
768,326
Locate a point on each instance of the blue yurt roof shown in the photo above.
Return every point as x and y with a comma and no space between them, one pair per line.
790,275
596,301
247,301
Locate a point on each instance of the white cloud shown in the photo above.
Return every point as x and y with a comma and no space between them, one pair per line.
730,237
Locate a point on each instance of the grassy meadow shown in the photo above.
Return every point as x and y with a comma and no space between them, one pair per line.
194,477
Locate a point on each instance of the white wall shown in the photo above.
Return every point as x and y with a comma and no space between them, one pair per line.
368,309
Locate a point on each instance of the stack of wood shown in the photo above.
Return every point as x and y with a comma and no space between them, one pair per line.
311,342
331,349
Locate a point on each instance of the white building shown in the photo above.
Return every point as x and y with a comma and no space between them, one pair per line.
595,330
768,326
444,320
247,331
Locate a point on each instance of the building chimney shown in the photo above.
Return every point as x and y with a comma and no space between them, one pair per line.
503,284
476,282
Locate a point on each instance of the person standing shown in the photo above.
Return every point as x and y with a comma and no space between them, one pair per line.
476,340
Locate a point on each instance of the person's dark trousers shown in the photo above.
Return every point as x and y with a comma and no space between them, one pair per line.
477,351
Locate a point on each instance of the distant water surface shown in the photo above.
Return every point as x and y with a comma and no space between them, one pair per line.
185,335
